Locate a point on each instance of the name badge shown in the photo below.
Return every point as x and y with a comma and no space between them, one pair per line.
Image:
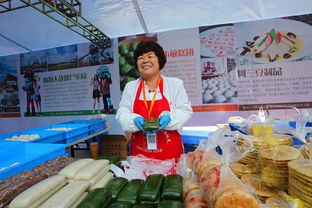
151,141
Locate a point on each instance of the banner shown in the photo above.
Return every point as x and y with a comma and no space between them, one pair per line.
61,81
228,69
9,96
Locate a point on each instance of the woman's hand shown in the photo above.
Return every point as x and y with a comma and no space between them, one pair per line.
139,122
163,121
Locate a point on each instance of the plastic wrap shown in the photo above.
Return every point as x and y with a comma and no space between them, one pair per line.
220,186
192,195
184,167
139,167
263,192
245,125
195,199
240,169
300,180
276,152
282,200
273,162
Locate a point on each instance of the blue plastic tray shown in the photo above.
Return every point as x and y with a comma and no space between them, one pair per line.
93,124
16,157
76,129
45,136
94,131
77,137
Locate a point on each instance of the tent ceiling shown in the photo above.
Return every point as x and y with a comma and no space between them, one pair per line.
27,29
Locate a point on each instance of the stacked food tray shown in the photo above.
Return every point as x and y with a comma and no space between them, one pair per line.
95,125
33,136
71,132
16,157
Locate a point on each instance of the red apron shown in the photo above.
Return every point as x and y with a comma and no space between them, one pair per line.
169,144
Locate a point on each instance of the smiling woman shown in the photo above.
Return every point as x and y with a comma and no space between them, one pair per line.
154,107
150,59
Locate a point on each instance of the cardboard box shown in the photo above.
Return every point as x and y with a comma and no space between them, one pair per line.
114,145
113,142
120,153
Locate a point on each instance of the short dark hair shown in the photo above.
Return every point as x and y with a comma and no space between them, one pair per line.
148,46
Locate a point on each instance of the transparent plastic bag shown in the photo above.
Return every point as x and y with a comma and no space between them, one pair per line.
148,166
195,199
184,167
301,131
245,125
300,177
282,200
139,167
220,186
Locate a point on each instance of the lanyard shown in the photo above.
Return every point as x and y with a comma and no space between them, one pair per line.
153,99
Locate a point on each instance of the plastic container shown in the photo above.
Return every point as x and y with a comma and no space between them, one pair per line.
73,129
191,139
44,136
76,137
94,131
16,157
93,124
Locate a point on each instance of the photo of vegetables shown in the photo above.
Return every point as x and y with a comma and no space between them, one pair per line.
126,47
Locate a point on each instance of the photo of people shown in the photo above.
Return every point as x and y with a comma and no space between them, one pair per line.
62,58
28,87
36,61
95,82
37,96
105,80
213,66
90,54
9,99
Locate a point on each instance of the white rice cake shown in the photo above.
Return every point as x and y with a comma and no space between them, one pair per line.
90,170
99,176
70,170
67,196
38,193
103,182
79,200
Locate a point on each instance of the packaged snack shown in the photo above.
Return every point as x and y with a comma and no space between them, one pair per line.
221,188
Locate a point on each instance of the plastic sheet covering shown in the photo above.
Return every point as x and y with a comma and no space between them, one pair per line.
120,18
282,200
139,167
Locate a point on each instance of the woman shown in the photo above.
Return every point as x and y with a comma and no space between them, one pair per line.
96,92
154,95
37,95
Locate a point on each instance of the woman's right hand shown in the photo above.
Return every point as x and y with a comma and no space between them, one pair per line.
139,122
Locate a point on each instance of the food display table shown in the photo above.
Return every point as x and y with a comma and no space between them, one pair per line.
85,139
